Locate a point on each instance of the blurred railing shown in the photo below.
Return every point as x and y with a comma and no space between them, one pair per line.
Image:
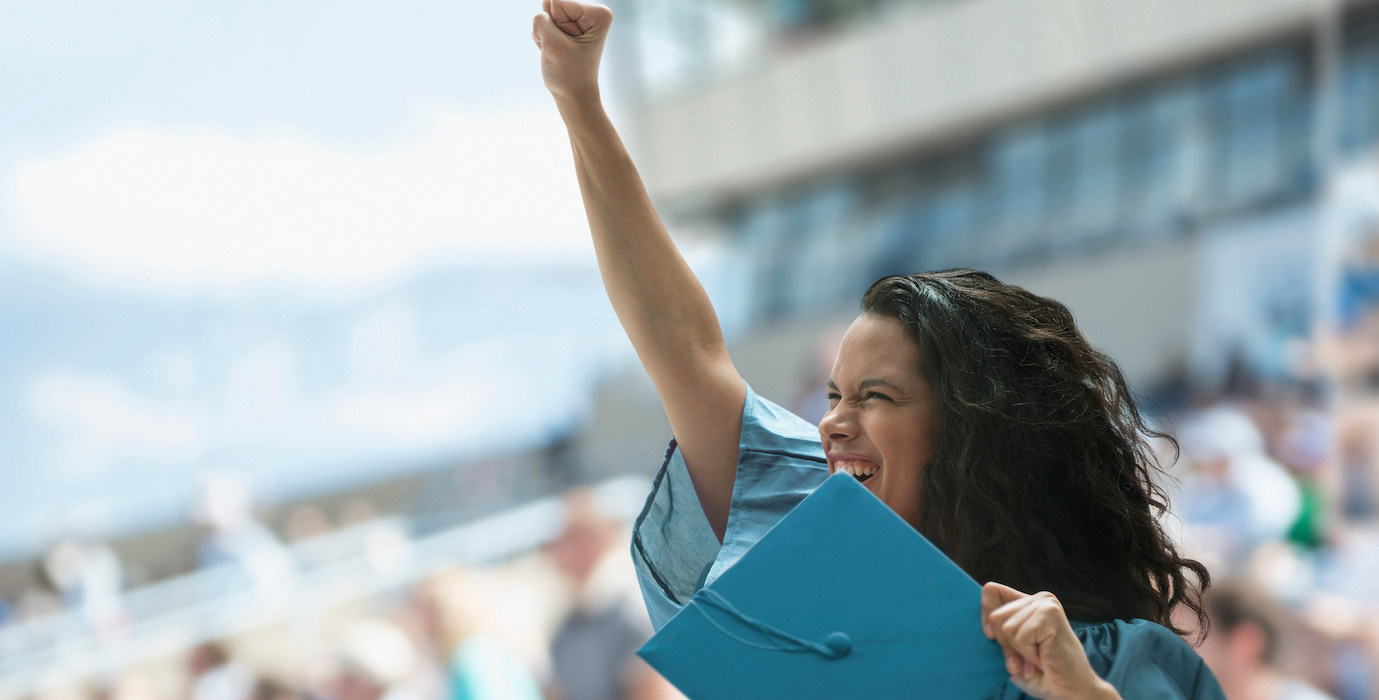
173,616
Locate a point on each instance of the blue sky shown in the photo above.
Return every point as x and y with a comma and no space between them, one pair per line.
305,242
343,70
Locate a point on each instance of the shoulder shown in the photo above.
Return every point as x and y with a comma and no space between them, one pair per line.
1145,659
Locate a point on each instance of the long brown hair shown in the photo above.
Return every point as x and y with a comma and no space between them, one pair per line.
1043,475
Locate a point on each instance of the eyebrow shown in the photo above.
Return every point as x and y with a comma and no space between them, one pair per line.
867,384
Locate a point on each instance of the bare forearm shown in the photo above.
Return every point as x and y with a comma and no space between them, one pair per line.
663,308
661,304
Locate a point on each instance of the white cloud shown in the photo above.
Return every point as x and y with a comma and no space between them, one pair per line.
383,344
490,395
181,210
262,395
96,420
440,412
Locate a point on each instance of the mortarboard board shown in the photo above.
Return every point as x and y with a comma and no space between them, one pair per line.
842,598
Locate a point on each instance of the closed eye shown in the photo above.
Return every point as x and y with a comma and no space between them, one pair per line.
835,396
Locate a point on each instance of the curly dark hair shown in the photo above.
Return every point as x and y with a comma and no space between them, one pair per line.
1043,475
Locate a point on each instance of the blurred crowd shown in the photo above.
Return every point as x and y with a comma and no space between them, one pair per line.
560,623
1278,492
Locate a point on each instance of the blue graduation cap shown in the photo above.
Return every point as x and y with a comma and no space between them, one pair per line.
842,598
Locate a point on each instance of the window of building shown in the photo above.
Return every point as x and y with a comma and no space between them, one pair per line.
1019,182
1085,174
1250,105
1162,174
819,253
1360,99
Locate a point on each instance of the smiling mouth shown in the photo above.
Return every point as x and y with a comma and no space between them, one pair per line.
860,471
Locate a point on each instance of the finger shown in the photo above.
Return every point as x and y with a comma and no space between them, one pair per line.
565,16
994,595
535,33
1039,624
1010,624
1016,665
571,26
1013,661
546,30
999,594
578,19
588,17
1032,628
1014,616
998,617
546,6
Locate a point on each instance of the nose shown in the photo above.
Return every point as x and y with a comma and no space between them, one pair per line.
837,425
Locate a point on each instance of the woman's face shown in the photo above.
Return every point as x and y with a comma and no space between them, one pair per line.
880,421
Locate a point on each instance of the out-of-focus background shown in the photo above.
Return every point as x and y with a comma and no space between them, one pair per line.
308,387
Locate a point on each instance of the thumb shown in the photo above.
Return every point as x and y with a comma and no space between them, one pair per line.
584,21
543,29
994,595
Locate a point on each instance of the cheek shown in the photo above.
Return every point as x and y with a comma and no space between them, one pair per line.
906,445
897,445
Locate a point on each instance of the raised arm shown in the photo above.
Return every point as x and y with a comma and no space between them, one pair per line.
658,300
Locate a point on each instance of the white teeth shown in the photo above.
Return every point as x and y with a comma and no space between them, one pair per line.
856,468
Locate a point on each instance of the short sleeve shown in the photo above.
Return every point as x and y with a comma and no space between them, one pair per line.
780,462
1142,660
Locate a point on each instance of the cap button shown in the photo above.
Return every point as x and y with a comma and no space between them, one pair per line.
839,644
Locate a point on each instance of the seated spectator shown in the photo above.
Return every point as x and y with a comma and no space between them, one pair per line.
1243,646
376,662
479,663
1237,496
593,653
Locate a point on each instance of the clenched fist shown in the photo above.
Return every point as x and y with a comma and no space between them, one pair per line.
1043,655
571,35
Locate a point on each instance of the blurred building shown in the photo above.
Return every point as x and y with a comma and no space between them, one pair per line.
1154,165
1159,167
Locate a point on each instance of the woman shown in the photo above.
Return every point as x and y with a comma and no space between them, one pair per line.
975,410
